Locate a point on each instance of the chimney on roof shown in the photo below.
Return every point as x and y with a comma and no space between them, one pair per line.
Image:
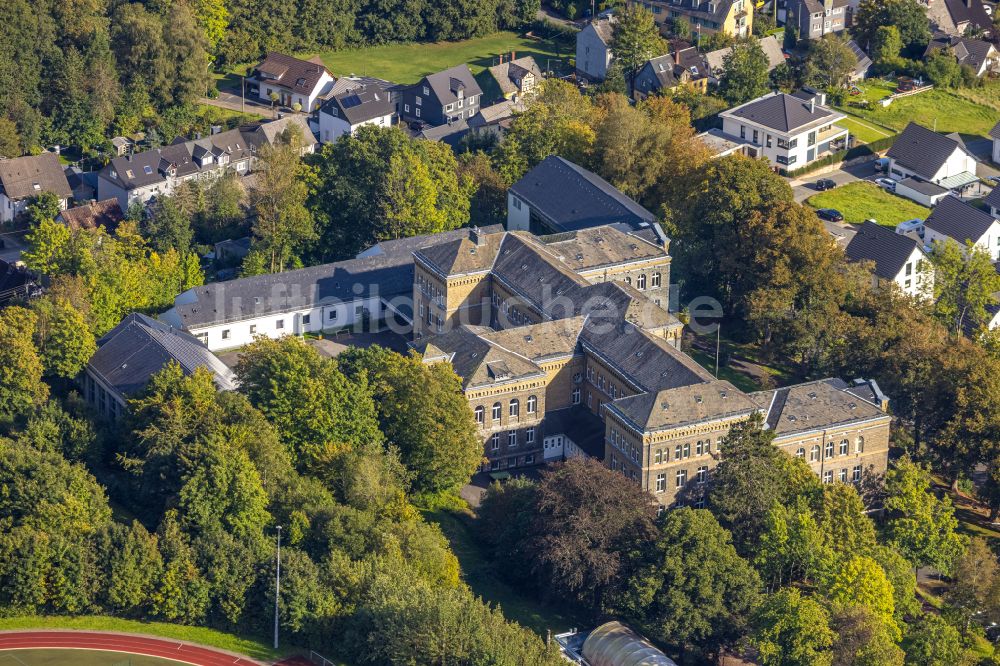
812,105
677,56
513,55
477,237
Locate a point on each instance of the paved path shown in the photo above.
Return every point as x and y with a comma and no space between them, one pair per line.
806,187
127,643
231,102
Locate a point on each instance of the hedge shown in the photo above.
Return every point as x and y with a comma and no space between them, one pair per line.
863,150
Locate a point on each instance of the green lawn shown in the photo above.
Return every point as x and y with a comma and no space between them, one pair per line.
942,110
200,635
864,130
406,63
478,572
860,201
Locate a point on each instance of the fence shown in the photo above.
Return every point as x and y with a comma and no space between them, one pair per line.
863,150
320,660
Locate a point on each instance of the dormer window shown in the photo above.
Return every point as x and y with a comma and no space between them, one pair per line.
461,94
300,82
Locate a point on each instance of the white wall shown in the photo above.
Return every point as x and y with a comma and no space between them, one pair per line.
988,242
956,163
332,128
9,209
307,101
334,315
518,213
915,284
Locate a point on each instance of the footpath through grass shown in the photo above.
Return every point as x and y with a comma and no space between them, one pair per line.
862,200
407,63
479,574
199,635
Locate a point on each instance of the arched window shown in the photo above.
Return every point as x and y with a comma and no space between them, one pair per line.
532,404
814,453
859,445
801,453
480,414
640,281
654,281
843,447
515,408
497,408
829,449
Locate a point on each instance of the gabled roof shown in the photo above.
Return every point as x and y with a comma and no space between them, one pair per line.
716,60
890,251
539,342
359,104
783,113
958,220
671,408
596,248
995,131
715,10
993,198
602,27
815,405
574,198
922,150
29,176
506,72
476,360
301,76
448,83
971,11
663,70
107,214
139,347
861,58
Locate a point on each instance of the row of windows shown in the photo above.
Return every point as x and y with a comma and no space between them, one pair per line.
640,281
625,446
513,409
842,475
279,324
681,478
511,462
843,449
529,438
682,451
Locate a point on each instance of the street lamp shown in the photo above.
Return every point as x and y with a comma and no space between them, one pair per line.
277,590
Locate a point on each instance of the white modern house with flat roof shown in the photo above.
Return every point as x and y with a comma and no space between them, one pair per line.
790,131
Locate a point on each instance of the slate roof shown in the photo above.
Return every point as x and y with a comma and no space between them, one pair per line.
574,198
506,72
662,69
993,198
495,114
715,10
590,249
890,251
139,347
958,220
359,104
995,131
475,359
268,131
446,84
825,403
922,186
972,52
971,11
299,76
683,405
107,214
921,150
783,113
448,132
540,342
390,271
29,176
603,28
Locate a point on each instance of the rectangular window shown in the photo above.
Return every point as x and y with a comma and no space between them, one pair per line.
406,108
417,112
703,474
529,436
420,101
512,439
828,476
280,324
743,131
306,319
495,441
661,482
225,334
856,473
332,314
253,328
843,475
682,477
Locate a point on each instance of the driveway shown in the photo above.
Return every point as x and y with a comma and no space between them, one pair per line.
806,187
233,102
13,244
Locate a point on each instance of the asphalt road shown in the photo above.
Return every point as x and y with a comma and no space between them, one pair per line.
807,186
13,244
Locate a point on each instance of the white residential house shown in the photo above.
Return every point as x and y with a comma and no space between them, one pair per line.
897,259
955,220
24,178
935,158
593,49
294,81
343,113
790,131
995,135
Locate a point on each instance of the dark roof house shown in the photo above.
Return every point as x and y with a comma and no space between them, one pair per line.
140,346
783,113
567,197
923,151
299,76
959,221
888,250
359,104
28,176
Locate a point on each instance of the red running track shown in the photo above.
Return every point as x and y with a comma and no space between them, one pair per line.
153,647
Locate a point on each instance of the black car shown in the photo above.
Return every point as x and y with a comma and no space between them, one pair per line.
831,214
824,184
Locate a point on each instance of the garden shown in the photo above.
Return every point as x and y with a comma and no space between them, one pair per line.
863,200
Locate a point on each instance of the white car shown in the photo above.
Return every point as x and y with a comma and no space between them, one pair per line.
887,183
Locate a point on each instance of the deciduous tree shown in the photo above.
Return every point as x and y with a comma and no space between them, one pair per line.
792,630
744,73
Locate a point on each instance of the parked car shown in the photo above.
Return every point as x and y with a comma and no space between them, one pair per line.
882,165
831,214
887,183
825,184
